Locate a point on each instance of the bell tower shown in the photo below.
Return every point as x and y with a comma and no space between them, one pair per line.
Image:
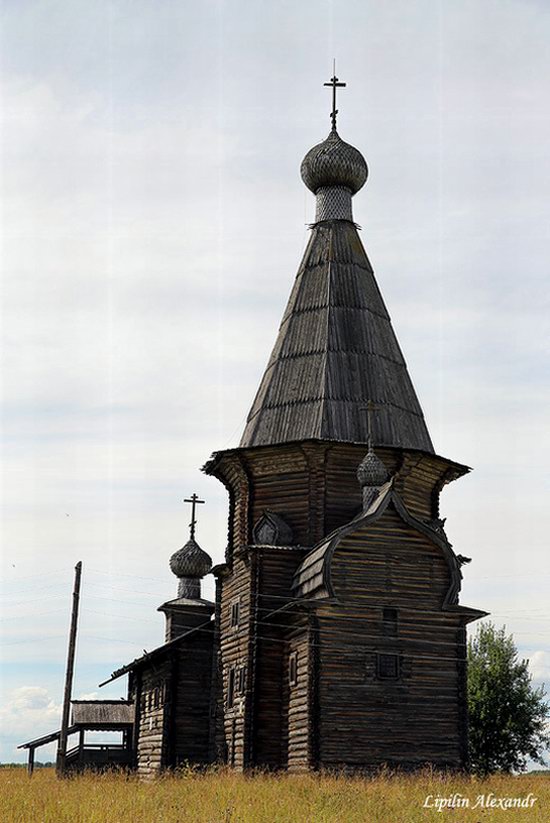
306,442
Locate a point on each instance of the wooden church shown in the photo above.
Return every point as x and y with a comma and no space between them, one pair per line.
336,639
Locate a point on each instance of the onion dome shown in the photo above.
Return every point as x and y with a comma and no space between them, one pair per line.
334,163
371,471
190,561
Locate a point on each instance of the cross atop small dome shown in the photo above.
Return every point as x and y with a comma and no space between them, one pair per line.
190,563
334,171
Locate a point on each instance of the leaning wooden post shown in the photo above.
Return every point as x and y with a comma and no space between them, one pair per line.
62,746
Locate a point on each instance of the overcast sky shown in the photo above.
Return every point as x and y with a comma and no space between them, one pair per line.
153,219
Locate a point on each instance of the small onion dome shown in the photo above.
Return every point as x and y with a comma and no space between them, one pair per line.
371,471
334,163
190,561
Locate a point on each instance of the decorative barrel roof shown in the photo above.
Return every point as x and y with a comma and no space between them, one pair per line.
190,561
334,163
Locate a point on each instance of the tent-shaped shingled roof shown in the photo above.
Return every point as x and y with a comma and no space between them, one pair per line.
335,351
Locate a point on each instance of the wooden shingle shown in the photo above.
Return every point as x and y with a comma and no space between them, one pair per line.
336,350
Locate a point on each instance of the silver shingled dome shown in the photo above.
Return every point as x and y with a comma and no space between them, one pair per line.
371,471
334,163
190,561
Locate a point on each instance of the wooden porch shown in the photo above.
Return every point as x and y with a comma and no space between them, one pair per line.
96,716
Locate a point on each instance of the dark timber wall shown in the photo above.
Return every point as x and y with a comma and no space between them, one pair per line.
276,566
236,652
414,717
314,486
299,704
154,719
340,711
173,693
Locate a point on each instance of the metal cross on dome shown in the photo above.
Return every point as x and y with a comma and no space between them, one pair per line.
335,85
194,500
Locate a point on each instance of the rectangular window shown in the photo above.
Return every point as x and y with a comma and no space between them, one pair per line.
241,680
235,613
389,621
293,669
387,666
231,688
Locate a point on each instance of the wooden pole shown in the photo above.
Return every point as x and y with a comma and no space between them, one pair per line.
30,767
62,746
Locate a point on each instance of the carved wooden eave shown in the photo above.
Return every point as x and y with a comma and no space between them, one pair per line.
217,467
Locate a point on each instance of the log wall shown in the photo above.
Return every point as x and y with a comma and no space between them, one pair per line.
348,708
416,717
191,719
298,704
236,651
314,486
154,719
276,567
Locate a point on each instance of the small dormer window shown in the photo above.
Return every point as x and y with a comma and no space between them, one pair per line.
235,613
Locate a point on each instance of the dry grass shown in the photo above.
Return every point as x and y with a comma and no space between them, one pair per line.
225,797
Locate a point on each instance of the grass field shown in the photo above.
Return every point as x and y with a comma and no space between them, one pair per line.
224,797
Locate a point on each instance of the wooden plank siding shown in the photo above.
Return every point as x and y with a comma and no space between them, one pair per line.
276,567
236,650
154,719
314,486
417,717
298,704
347,715
172,691
191,721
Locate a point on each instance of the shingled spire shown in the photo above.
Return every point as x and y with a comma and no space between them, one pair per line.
336,348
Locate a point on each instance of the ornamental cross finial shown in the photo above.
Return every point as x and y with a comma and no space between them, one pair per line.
194,500
369,408
335,85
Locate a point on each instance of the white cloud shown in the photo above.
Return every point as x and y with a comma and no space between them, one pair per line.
29,712
539,666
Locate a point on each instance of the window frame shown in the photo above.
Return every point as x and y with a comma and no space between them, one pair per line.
235,613
390,621
379,666
293,669
231,678
240,681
